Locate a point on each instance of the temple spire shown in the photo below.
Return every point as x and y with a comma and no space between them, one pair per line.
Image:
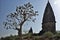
48,0
48,22
48,14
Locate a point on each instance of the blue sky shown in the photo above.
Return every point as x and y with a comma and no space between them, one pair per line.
8,6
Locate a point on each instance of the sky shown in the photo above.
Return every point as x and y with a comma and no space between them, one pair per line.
9,6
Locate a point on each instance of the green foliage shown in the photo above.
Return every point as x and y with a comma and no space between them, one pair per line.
9,37
29,35
6,38
37,37
48,34
57,34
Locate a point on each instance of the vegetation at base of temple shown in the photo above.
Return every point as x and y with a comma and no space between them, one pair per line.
45,36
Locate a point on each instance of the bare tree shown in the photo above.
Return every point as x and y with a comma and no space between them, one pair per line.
17,19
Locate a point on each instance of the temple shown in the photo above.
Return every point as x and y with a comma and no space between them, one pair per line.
48,22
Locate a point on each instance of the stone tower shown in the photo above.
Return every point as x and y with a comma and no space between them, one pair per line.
48,22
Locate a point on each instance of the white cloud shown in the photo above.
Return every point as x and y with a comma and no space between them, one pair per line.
57,3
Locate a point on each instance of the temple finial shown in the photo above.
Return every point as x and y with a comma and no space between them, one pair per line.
48,0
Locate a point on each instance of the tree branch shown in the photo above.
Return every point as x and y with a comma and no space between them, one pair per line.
23,22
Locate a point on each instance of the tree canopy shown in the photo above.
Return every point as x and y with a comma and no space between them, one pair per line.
23,13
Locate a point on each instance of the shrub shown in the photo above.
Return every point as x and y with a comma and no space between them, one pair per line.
48,34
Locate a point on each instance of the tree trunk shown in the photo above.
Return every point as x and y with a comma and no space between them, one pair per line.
20,33
20,30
